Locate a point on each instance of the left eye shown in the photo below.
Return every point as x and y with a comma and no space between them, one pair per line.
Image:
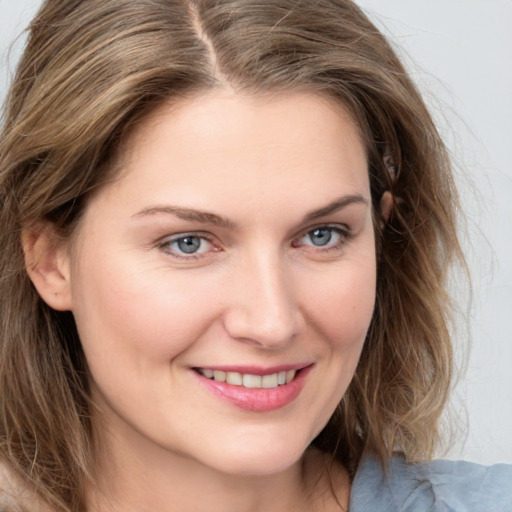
322,237
187,245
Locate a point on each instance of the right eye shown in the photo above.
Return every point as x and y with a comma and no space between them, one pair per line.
187,246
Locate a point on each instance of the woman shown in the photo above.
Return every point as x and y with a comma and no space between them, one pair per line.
227,228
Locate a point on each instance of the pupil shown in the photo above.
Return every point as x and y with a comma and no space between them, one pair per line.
189,244
321,236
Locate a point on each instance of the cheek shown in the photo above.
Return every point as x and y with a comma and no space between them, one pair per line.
340,312
123,311
343,303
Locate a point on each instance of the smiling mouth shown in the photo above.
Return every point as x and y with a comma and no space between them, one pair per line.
248,380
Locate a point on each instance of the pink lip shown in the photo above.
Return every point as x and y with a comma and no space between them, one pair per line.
257,399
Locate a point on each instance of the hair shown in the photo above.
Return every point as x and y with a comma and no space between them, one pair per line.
90,72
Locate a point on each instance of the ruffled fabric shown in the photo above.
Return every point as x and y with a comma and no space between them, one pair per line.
438,486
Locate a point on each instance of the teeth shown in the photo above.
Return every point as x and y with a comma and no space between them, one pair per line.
207,373
219,376
234,378
249,381
269,381
290,375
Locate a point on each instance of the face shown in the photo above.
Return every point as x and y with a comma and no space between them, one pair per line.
224,284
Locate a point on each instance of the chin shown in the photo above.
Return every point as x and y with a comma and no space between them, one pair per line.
261,458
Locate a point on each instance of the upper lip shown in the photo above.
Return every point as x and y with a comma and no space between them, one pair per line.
257,370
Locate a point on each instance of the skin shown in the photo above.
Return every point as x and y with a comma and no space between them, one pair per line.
259,291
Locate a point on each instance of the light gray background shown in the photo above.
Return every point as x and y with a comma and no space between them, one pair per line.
460,54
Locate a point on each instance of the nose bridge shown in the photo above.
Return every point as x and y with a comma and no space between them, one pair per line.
264,308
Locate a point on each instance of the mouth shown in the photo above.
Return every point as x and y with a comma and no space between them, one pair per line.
249,380
255,389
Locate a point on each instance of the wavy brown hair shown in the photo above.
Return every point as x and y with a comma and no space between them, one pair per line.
90,72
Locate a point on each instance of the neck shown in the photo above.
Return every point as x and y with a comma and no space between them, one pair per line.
131,480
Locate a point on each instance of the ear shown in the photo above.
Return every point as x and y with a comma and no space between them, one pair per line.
386,205
47,264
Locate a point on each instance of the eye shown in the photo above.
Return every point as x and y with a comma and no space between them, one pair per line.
324,237
321,236
187,245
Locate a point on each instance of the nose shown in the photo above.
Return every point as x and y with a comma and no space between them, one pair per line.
262,306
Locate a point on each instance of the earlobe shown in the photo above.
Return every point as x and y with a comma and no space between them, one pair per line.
47,264
386,205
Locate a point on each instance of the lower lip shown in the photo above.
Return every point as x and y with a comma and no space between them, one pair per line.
257,399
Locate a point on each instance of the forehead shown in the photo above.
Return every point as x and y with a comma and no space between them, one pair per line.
245,157
246,133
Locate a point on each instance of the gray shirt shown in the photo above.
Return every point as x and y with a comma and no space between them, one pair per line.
438,486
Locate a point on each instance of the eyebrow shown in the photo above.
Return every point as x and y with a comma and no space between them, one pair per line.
205,217
201,216
334,206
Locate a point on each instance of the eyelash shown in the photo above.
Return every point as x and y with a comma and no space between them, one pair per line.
165,245
345,235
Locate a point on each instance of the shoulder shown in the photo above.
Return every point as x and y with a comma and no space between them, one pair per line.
438,486
15,496
9,490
